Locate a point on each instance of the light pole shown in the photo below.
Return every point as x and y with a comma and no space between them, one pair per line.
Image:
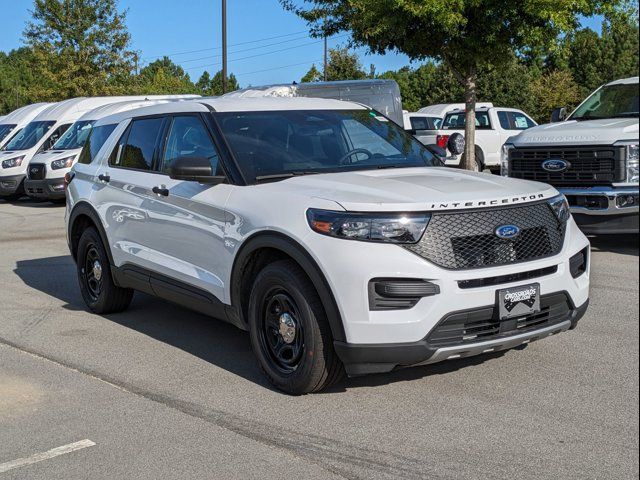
225,83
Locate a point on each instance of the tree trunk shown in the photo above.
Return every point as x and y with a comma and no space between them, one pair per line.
469,157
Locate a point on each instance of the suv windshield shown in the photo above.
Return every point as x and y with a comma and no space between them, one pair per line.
29,136
457,120
614,101
281,143
75,137
5,130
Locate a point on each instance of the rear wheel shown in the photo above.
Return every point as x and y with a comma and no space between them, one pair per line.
289,331
98,290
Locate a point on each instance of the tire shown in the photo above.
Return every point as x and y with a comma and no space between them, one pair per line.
101,295
297,358
479,159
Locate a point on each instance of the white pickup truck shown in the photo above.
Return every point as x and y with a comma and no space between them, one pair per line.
592,157
494,125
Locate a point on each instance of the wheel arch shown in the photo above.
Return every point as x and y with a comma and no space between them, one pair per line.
263,248
82,216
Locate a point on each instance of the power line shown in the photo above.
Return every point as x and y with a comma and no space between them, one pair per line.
278,68
265,53
243,50
219,48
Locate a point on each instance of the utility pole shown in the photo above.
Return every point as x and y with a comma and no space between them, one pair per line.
324,69
225,82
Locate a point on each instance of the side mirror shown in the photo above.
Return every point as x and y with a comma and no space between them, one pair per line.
439,153
559,115
194,169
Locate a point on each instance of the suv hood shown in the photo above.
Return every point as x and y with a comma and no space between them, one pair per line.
414,189
572,132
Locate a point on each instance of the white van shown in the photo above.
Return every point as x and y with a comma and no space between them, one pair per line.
40,135
381,95
14,122
45,175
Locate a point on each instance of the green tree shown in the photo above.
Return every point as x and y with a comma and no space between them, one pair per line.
313,75
467,35
163,77
80,47
208,86
344,65
17,79
551,90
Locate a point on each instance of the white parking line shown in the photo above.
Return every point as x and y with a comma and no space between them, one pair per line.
39,457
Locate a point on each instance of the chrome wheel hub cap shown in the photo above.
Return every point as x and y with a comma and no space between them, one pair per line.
97,270
287,328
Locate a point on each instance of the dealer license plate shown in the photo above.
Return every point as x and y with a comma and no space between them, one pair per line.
519,301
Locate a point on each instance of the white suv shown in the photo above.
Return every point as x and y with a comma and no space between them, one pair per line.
324,230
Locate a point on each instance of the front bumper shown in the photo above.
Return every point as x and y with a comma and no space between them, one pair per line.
49,188
380,358
604,210
11,184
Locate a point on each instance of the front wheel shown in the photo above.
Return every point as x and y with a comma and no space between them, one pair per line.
289,331
98,290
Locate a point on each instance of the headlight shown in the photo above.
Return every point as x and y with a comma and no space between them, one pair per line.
632,164
560,207
504,159
369,227
13,162
62,163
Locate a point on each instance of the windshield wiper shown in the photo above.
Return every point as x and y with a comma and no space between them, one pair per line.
619,115
281,176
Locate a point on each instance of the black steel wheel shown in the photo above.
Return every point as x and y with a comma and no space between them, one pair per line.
289,331
98,289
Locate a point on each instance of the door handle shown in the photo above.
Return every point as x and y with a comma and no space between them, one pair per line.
161,191
104,178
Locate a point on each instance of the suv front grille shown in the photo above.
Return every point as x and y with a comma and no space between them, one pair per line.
36,171
467,240
484,323
590,165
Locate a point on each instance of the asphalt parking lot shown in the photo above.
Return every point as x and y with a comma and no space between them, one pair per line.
161,392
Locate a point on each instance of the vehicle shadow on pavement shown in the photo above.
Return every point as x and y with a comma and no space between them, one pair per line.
211,340
622,244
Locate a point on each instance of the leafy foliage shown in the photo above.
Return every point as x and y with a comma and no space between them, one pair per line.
79,47
342,65
466,35
208,86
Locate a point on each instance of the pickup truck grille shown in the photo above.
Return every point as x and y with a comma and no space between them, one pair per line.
36,171
588,166
467,240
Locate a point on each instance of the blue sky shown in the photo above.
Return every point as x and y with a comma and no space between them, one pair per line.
280,49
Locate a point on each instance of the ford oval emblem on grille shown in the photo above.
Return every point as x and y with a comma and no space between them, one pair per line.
554,165
507,232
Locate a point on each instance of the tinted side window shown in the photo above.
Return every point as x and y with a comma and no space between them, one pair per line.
504,120
138,150
420,123
188,137
94,143
521,121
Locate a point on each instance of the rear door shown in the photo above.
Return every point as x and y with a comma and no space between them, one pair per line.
124,188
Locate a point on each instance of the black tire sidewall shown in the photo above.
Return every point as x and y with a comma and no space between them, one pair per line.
308,373
91,238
